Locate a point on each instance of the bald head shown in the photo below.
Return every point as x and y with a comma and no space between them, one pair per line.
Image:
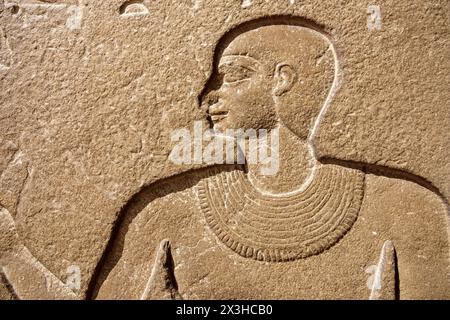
293,64
278,42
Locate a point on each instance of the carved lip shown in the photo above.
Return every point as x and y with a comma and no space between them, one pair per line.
219,115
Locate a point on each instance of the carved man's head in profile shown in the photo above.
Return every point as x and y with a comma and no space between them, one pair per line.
266,75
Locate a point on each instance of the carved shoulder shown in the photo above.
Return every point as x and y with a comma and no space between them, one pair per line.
415,219
403,195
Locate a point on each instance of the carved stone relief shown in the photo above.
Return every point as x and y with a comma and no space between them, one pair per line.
314,228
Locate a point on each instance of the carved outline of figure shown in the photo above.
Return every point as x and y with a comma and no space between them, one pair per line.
280,74
283,79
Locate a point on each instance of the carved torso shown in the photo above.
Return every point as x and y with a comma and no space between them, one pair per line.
321,244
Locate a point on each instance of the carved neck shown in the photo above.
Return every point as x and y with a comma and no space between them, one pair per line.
296,162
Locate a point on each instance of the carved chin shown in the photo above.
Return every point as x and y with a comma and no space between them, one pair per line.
217,125
222,125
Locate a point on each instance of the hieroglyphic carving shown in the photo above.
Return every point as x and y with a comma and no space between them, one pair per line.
50,1
32,11
40,3
133,8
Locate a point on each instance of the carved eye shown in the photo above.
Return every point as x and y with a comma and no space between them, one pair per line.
235,74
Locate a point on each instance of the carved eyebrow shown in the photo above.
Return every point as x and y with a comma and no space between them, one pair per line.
227,66
247,59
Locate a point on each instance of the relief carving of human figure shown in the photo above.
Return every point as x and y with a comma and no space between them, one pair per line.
313,230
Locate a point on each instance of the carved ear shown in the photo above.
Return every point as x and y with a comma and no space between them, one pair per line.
285,77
